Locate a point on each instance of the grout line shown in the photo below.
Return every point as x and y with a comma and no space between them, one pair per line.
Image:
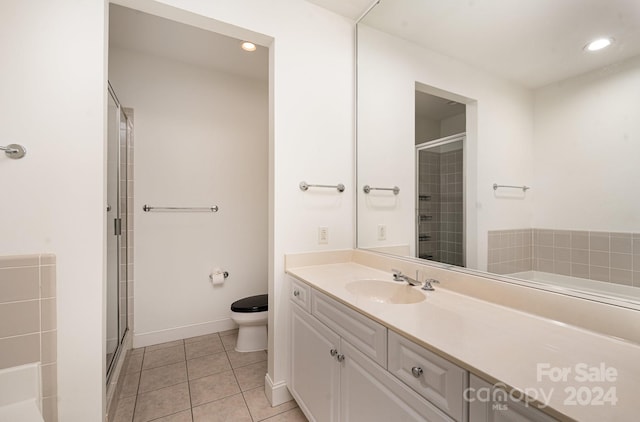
186,367
241,392
135,403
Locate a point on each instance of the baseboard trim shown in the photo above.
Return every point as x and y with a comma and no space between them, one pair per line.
178,333
277,393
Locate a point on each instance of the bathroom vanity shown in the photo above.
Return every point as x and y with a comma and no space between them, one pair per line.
386,354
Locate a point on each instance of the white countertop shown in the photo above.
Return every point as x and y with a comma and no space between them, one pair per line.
501,344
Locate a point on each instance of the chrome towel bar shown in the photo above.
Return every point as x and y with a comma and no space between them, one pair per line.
524,188
14,151
147,208
367,189
304,186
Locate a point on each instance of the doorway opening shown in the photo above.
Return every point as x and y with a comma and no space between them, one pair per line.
440,174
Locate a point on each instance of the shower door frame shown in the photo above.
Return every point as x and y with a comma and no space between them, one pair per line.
121,225
459,137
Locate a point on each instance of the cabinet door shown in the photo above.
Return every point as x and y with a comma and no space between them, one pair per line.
483,407
369,393
315,374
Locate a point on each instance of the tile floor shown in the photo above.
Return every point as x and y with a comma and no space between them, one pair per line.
199,379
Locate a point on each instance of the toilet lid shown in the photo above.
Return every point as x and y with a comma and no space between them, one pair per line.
257,303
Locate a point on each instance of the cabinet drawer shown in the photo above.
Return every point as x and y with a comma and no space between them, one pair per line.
490,407
300,294
434,378
367,335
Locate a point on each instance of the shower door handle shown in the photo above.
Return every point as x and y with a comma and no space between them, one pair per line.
117,226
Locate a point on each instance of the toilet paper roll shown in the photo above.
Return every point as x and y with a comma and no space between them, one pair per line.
217,276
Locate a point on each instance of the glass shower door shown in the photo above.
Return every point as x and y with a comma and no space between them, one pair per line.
440,200
116,230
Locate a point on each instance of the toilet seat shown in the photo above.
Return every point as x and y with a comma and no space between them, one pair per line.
258,303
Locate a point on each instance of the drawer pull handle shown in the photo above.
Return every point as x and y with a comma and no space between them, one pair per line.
340,358
296,293
416,371
333,352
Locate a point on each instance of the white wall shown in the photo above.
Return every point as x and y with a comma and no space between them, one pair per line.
429,129
453,125
53,81
53,85
426,129
586,151
312,126
499,127
201,139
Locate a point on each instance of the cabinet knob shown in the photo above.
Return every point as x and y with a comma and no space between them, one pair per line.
296,293
416,371
333,352
340,358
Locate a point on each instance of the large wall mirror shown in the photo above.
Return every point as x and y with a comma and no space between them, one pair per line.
491,138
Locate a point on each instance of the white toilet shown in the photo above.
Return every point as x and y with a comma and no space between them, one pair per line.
251,314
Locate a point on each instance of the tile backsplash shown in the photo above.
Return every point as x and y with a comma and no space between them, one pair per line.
604,256
28,328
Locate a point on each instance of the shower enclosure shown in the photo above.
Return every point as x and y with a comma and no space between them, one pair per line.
118,139
440,200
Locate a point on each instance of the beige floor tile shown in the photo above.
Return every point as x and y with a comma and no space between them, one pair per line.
203,348
134,363
124,412
163,345
138,351
163,376
228,332
260,407
201,338
163,402
213,387
129,384
294,415
239,359
229,341
163,357
251,376
208,365
184,416
230,408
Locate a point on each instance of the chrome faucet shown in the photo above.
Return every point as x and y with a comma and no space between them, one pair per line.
398,276
428,283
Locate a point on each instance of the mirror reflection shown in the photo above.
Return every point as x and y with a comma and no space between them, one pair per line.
513,145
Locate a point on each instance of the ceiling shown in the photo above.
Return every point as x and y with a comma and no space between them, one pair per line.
436,108
532,42
351,9
134,30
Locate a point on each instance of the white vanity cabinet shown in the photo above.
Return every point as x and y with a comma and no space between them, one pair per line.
315,372
488,406
338,366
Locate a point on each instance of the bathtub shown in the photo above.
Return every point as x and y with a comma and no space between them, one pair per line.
582,284
21,394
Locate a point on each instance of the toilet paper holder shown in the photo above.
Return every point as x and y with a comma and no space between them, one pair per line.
225,274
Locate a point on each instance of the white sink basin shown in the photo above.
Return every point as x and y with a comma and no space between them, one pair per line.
385,291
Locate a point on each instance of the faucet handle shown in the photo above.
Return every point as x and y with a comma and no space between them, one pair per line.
428,284
397,274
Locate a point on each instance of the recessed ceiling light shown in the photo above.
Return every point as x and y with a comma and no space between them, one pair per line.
598,44
248,46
